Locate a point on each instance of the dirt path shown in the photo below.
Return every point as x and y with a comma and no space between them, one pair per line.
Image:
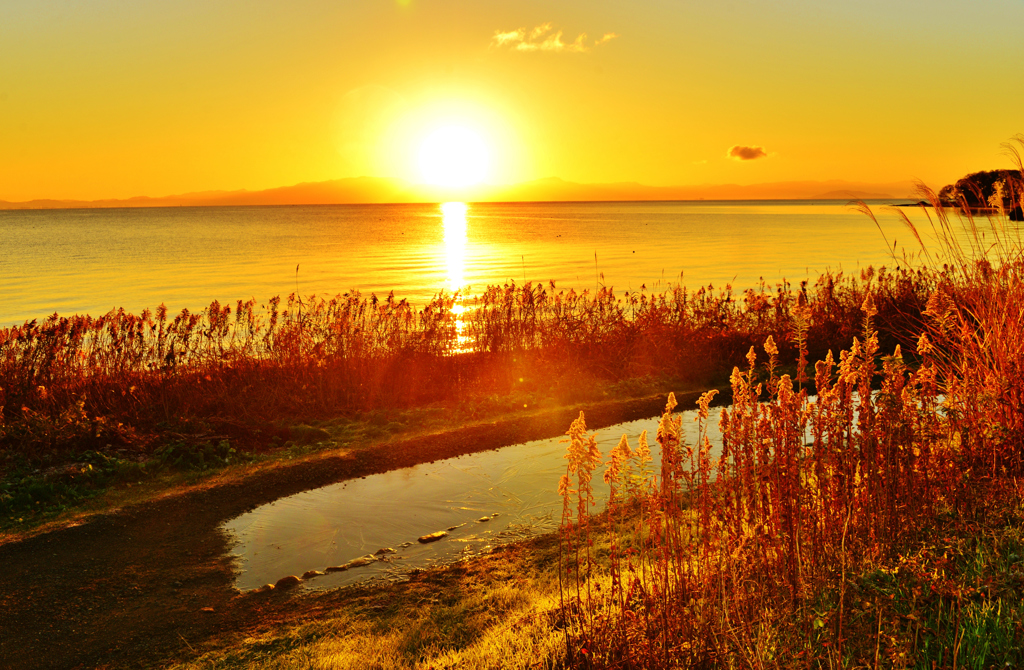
154,581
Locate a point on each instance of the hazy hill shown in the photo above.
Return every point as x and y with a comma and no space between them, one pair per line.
357,190
557,189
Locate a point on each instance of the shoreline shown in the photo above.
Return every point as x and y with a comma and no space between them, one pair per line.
129,587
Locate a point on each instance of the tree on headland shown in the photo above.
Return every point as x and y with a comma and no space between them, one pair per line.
988,188
995,189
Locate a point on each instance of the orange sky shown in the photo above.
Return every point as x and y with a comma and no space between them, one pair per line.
111,98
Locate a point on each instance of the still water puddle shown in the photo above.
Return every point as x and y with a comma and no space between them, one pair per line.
513,488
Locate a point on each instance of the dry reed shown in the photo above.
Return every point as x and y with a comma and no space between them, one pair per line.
123,380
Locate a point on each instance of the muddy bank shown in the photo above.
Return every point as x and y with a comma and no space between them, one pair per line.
152,581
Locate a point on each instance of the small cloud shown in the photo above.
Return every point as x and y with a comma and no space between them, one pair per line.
500,39
742,153
544,38
700,162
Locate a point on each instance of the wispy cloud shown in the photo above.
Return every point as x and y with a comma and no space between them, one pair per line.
539,31
512,37
545,38
742,153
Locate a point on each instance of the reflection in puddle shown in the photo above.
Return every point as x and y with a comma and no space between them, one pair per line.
479,500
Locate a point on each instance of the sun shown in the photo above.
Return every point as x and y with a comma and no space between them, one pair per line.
454,156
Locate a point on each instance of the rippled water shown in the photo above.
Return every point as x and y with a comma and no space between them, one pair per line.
335,524
93,260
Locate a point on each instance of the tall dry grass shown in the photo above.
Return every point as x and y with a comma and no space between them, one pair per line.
744,559
748,559
712,550
124,380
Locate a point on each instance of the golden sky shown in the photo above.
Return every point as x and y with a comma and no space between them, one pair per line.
117,98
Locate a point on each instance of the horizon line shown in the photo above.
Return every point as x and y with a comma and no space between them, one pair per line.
393,191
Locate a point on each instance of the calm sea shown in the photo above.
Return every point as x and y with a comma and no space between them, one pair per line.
93,260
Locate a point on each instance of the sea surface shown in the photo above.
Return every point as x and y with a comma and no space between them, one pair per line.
94,260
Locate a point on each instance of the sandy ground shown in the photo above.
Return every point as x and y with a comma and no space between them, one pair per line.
153,581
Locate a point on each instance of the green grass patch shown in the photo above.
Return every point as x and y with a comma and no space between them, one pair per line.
31,495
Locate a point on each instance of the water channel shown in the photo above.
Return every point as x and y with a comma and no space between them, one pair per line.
479,500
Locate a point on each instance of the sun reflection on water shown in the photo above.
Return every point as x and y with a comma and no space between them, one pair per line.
453,217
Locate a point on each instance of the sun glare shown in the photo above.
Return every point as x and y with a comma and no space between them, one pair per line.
454,156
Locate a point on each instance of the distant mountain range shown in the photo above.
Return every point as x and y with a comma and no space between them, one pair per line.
377,190
557,189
